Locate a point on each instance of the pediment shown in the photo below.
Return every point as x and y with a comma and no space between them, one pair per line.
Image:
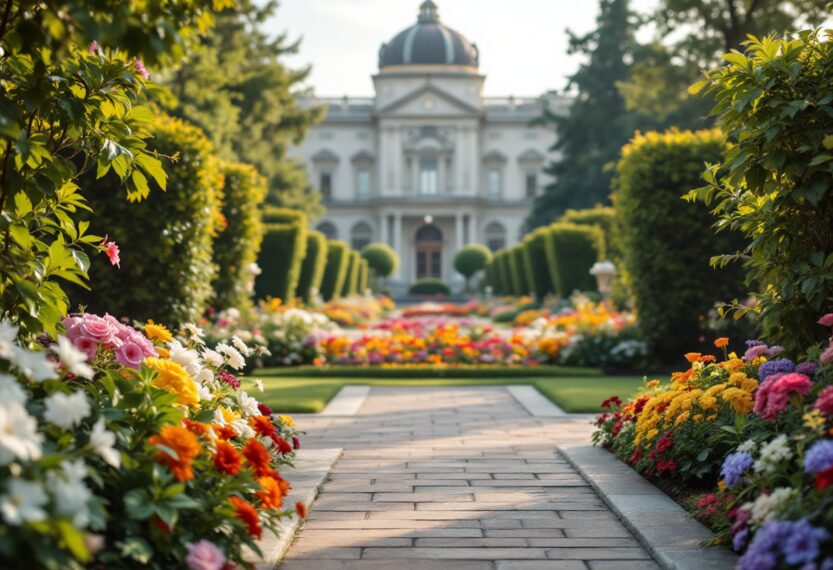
431,101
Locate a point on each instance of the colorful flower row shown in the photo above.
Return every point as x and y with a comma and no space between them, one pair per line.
123,447
758,430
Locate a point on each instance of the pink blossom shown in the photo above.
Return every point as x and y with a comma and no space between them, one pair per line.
112,251
99,329
140,68
93,47
130,355
824,403
827,355
86,345
826,320
205,555
773,395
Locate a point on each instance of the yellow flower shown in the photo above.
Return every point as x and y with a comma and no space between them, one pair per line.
163,352
814,421
287,421
721,485
653,384
158,332
173,378
698,418
681,418
652,434
708,402
227,415
734,365
740,399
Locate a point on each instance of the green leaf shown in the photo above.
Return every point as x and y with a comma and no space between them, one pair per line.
153,168
136,548
820,159
74,540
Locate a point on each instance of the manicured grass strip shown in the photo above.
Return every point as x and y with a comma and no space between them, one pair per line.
423,372
572,394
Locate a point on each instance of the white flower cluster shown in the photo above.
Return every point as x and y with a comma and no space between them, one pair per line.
769,507
772,454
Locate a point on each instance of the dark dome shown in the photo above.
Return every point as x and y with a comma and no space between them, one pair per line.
428,43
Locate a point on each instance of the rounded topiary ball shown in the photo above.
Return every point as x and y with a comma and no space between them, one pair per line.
381,258
471,259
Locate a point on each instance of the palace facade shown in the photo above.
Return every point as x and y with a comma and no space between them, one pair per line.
428,164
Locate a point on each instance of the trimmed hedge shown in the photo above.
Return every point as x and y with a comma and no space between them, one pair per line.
335,271
281,255
351,281
430,286
312,268
602,217
273,215
470,259
364,276
535,245
506,273
514,273
571,252
166,240
521,268
667,241
236,247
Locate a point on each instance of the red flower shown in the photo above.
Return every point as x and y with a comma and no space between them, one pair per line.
666,465
664,443
637,455
612,401
258,458
301,508
227,459
247,513
824,479
225,432
283,445
263,426
296,443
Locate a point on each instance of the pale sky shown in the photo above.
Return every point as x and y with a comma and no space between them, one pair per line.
523,44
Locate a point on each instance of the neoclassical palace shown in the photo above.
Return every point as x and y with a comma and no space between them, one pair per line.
428,164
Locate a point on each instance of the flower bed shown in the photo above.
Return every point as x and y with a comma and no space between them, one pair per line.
756,432
356,311
442,309
122,447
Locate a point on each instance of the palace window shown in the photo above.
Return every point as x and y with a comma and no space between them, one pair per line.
361,235
328,229
363,183
531,184
428,176
325,185
495,236
494,179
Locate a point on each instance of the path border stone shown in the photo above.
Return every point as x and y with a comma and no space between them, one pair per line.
534,402
663,527
312,467
347,401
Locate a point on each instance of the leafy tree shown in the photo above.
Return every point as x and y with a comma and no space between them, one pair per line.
236,88
471,259
776,104
596,127
65,108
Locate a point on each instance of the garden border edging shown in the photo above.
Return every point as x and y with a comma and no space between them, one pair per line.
312,467
662,526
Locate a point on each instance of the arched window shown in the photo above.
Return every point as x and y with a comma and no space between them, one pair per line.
429,233
361,235
495,236
328,229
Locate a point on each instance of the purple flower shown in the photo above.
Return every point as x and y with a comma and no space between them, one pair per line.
757,560
777,366
739,540
808,368
773,350
819,457
802,545
734,466
140,68
130,355
751,343
754,352
205,555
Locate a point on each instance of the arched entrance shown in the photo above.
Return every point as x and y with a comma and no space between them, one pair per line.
429,252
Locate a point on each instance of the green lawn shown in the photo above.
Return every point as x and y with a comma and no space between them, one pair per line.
571,393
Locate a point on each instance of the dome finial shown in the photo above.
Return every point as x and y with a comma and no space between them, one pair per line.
428,12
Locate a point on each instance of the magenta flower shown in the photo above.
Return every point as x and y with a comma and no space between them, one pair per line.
112,251
93,47
773,395
826,320
140,68
99,329
824,403
130,355
205,555
827,355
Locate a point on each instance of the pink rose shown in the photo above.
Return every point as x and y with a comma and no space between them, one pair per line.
824,403
85,344
130,355
826,320
99,329
827,355
773,395
205,555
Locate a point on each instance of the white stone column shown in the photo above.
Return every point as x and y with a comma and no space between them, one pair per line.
397,243
472,237
458,230
458,161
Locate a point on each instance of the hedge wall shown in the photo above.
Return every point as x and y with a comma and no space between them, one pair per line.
522,269
312,267
571,252
274,215
513,273
335,271
505,267
667,241
281,255
364,275
236,247
536,251
430,286
166,240
351,281
603,217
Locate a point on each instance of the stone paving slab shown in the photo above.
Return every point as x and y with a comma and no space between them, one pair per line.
535,403
659,523
347,402
461,478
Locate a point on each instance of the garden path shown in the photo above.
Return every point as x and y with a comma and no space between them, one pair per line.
455,478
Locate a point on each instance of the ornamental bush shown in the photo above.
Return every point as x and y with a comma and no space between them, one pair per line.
281,255
472,258
505,271
522,268
381,258
668,242
273,215
602,217
514,268
430,286
775,185
351,281
335,271
166,240
571,252
535,245
237,245
312,268
364,276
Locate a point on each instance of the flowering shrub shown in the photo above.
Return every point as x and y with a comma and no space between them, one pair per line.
125,448
759,429
357,310
590,334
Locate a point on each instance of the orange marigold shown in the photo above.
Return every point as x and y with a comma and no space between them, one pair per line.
692,356
272,494
722,342
247,513
226,459
301,508
258,458
197,428
263,426
184,444
224,432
